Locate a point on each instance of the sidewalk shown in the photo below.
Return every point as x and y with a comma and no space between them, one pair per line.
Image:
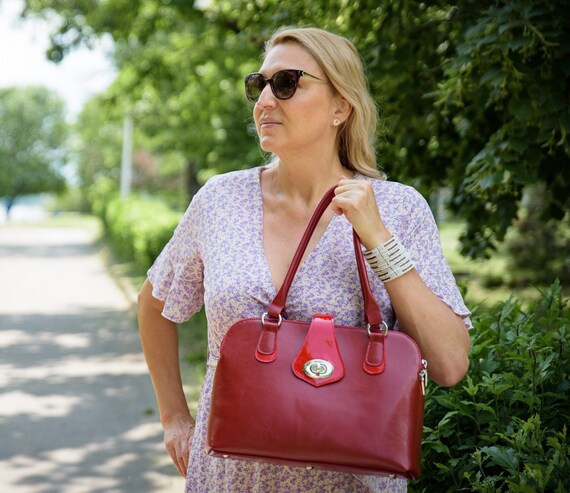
77,411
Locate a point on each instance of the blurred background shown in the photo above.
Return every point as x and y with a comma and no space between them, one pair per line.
144,99
115,112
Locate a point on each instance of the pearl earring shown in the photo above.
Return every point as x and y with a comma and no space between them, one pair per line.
336,122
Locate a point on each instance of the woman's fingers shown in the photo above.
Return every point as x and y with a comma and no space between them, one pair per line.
178,441
355,199
176,451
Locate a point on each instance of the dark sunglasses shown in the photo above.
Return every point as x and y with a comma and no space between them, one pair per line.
283,84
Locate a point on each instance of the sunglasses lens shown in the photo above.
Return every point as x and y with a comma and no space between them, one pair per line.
254,84
285,83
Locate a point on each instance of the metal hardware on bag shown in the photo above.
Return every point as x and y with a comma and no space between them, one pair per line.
382,324
279,319
318,368
309,467
424,376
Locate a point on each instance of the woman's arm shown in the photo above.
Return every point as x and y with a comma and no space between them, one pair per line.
440,333
159,340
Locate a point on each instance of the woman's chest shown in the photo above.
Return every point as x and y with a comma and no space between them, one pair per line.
239,283
281,235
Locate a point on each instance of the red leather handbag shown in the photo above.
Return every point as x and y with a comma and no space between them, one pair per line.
313,394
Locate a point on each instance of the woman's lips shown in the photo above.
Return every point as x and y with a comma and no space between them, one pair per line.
268,123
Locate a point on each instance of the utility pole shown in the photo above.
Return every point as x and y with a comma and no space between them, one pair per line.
127,157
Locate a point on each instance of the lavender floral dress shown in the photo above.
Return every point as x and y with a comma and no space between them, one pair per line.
216,258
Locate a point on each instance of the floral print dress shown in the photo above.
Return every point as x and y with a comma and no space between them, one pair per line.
216,258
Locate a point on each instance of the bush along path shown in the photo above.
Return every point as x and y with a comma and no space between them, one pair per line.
504,428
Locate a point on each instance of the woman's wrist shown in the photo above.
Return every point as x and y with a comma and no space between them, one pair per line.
171,417
389,260
378,237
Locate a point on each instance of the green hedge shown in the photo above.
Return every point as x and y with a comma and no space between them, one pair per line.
139,228
504,428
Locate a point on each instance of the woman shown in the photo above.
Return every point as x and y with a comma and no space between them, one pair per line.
231,251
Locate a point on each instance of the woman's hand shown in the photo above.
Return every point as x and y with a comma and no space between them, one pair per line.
355,199
437,330
178,435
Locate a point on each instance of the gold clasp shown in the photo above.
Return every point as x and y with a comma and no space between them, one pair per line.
318,368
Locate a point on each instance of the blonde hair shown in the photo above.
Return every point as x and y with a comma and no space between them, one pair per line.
340,61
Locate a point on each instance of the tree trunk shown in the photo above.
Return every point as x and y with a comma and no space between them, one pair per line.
192,185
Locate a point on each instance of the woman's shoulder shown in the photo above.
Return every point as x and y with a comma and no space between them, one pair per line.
226,194
394,192
232,182
402,207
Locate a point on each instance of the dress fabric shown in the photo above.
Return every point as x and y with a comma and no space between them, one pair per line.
216,258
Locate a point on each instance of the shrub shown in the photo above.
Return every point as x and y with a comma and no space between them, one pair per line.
99,194
504,428
139,228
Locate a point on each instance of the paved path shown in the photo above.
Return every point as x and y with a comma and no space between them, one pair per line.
77,412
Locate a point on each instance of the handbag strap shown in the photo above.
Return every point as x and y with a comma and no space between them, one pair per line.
371,309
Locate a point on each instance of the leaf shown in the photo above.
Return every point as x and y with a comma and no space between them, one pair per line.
521,109
504,457
515,487
494,75
476,29
516,43
510,25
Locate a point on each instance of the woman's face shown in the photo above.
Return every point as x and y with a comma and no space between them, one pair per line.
302,124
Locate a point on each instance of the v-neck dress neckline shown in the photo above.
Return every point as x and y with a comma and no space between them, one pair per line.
305,264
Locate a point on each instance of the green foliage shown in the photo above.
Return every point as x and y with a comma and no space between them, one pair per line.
33,135
510,80
539,247
473,93
504,428
139,228
97,151
97,146
100,194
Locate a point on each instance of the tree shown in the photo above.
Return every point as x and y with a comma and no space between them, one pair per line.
33,135
97,146
180,78
512,63
473,94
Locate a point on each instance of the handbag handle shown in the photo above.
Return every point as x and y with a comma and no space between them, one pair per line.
371,310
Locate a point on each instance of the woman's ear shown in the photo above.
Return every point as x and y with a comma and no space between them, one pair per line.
342,109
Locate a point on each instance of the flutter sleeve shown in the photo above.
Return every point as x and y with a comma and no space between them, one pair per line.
177,273
424,246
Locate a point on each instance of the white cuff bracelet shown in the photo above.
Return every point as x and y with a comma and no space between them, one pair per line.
389,260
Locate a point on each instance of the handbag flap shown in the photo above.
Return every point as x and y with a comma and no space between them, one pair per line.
319,361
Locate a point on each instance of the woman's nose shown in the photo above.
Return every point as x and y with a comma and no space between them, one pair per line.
266,98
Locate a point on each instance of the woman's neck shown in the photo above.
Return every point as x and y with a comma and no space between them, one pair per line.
305,180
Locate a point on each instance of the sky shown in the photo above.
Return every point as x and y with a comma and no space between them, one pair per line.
23,44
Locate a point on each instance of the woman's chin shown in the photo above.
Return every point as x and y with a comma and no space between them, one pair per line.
268,145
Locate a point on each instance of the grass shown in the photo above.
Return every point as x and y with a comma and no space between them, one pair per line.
486,282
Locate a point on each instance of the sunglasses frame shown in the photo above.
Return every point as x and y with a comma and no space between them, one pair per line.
270,81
